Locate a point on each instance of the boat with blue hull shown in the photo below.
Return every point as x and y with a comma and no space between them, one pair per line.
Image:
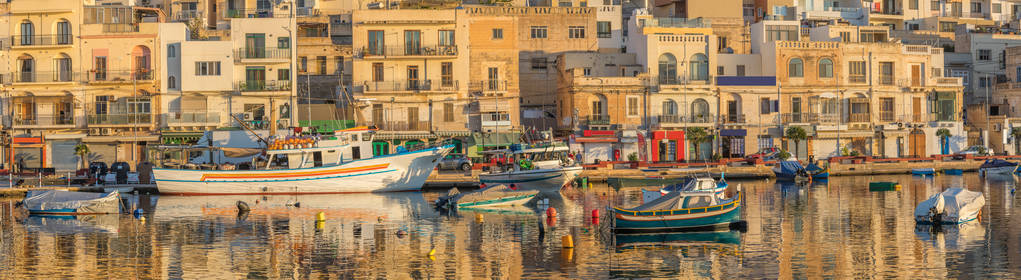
923,171
818,172
680,211
998,166
791,170
953,171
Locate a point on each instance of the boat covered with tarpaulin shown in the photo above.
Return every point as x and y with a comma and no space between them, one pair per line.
61,202
952,206
998,166
790,170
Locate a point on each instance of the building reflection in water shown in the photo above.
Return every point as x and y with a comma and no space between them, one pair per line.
837,229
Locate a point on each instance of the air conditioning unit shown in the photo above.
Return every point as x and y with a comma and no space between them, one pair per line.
247,117
104,131
900,125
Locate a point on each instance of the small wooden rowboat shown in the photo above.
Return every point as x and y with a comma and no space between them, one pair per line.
680,211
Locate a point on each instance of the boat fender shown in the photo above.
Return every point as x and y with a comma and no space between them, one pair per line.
138,212
379,219
514,187
401,233
567,241
551,212
243,207
142,219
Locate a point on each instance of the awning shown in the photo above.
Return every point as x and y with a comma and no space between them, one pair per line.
596,139
181,137
733,132
65,136
145,138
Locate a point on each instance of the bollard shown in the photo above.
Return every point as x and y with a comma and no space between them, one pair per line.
567,255
567,241
320,217
478,218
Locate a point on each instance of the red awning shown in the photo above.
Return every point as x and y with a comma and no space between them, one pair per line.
596,139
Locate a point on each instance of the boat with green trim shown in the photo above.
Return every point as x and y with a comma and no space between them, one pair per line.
494,196
680,211
543,168
883,186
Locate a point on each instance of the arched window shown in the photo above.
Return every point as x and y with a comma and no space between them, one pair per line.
27,33
795,68
142,68
171,82
171,51
669,108
699,67
700,110
825,68
667,69
26,68
64,32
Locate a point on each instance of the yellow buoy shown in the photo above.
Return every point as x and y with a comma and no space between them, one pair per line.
379,219
320,216
590,185
478,218
142,219
432,252
320,224
567,241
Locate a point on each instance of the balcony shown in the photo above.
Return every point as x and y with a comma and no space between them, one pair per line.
859,118
401,125
46,77
420,85
733,119
43,121
119,119
432,50
887,116
184,119
42,40
250,13
598,120
120,27
886,80
949,82
119,76
263,125
683,80
262,53
277,85
857,79
186,15
488,86
306,12
674,119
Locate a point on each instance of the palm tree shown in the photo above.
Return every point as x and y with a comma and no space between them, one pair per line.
1016,132
698,135
797,134
82,151
944,139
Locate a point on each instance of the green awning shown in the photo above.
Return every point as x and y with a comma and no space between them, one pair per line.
180,137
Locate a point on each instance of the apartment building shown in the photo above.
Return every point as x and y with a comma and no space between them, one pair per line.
263,76
493,74
197,79
1000,119
411,74
321,67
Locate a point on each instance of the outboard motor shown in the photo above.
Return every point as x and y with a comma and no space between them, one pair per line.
121,169
98,170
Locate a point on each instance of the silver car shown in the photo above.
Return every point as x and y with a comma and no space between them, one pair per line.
456,161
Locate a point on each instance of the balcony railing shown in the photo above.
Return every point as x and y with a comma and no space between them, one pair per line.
673,119
191,118
887,116
732,118
114,76
119,119
430,50
859,117
260,124
598,119
420,85
120,27
42,40
682,80
857,79
278,85
306,11
885,80
261,53
46,77
401,125
67,119
488,86
250,13
187,14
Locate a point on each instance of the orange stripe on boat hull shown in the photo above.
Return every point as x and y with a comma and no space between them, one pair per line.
295,174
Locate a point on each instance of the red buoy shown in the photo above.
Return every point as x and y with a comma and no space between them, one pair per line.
595,213
551,212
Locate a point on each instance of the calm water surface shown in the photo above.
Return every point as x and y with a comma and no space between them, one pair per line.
834,230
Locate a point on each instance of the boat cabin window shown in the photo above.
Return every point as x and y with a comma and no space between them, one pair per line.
697,201
317,159
356,153
354,137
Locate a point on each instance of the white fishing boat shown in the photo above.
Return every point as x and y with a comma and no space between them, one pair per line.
342,163
539,168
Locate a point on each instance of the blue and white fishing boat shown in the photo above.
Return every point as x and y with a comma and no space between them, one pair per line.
923,171
952,206
680,211
818,172
998,166
60,202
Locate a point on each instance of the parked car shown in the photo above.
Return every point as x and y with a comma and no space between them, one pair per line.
456,161
976,150
765,154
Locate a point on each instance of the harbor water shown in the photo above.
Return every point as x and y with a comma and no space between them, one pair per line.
834,229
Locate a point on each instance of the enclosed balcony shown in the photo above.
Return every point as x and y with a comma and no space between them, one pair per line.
256,85
119,119
413,51
262,54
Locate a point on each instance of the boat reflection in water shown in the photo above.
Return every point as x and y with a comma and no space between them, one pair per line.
952,237
106,223
358,207
678,240
686,255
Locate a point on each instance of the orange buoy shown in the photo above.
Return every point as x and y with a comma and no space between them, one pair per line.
551,212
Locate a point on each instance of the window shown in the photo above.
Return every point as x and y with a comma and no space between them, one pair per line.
764,106
340,64
413,81
102,104
302,64
976,7
27,33
782,33
494,78
377,72
740,71
722,43
667,69
856,71
64,33
565,4
603,29
719,70
446,37
321,62
448,112
538,32
886,75
138,105
376,43
447,74
497,33
996,8
669,108
576,32
171,51
947,26
699,67
171,82
538,63
283,74
985,55
100,68
632,106
27,69
1017,78
934,5
913,4
825,68
207,68
795,68
984,82
845,36
284,42
412,42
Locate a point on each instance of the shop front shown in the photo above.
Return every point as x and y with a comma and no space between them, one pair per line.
667,146
27,153
733,142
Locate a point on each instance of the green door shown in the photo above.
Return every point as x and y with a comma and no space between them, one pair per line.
380,148
255,78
